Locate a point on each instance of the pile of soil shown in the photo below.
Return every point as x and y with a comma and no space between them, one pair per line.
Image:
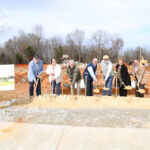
75,102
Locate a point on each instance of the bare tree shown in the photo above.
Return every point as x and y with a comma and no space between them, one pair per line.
75,42
3,28
79,38
101,41
38,31
70,46
16,49
48,52
54,43
117,45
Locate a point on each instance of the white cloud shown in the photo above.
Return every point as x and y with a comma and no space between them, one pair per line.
126,17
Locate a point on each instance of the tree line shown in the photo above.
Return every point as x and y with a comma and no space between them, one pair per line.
21,49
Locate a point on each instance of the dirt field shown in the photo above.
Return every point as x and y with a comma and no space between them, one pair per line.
80,102
22,85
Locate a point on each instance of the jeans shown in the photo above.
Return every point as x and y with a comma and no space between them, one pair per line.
57,85
89,88
38,88
108,83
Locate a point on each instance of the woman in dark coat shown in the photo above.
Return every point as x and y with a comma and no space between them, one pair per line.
123,77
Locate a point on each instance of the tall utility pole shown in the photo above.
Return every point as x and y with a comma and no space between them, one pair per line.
38,43
140,52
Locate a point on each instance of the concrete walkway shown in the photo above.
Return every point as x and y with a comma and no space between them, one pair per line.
25,136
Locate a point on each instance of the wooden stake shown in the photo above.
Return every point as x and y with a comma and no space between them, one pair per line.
62,84
116,84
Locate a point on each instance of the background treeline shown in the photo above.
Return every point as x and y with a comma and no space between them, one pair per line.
20,49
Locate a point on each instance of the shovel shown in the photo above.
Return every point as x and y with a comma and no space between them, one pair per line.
96,90
35,87
142,91
129,88
86,83
52,86
62,85
105,88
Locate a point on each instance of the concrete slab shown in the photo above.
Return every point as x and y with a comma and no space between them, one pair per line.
82,138
21,136
25,136
102,117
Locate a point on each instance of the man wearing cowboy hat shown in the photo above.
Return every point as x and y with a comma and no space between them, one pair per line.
108,74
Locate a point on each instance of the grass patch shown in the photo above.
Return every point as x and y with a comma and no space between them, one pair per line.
6,83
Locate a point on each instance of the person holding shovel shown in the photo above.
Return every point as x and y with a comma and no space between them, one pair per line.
140,77
34,74
55,78
74,75
123,77
89,76
108,74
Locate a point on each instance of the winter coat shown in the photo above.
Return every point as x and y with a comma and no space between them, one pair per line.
124,75
56,70
74,74
140,74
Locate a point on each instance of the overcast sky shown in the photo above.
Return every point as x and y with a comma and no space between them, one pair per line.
129,18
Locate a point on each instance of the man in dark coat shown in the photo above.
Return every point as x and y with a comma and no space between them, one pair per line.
89,76
123,77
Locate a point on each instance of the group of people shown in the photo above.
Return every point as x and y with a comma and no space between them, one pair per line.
89,75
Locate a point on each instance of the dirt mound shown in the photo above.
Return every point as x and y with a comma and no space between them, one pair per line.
19,76
75,102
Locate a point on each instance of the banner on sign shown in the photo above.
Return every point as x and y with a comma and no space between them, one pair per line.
7,77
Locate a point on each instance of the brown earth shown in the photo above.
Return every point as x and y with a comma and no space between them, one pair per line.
77,102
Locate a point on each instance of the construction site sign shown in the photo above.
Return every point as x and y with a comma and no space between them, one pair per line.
7,77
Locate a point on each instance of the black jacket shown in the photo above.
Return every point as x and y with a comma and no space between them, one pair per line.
124,75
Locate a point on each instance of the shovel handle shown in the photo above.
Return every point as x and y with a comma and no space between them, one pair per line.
62,85
86,83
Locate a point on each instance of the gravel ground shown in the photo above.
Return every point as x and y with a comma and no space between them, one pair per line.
100,117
